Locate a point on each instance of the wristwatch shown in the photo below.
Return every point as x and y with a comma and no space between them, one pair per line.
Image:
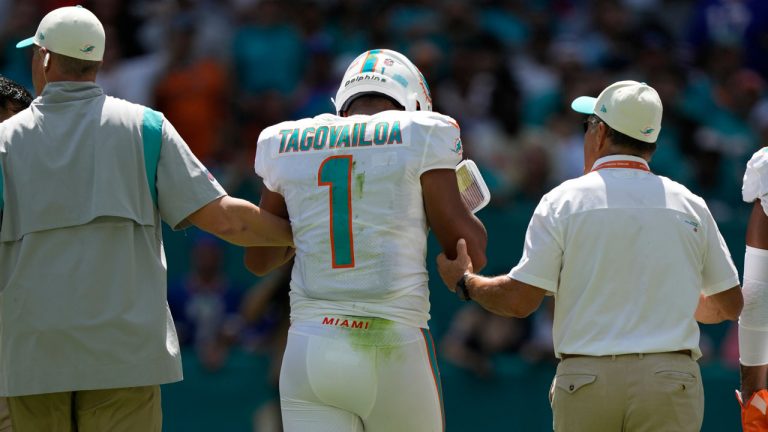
461,287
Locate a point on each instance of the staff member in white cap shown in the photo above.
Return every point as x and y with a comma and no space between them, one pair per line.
85,332
631,258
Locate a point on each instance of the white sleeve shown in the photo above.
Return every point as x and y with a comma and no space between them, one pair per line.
442,147
755,184
753,322
719,273
265,159
543,250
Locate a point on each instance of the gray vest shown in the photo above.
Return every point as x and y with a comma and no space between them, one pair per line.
76,155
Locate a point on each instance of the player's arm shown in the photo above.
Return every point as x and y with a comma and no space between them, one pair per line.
753,323
262,260
449,218
501,295
242,223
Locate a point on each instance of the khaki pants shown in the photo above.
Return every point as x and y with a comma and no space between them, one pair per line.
134,409
5,416
631,393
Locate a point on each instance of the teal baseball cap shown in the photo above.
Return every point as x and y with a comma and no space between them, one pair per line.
73,31
630,107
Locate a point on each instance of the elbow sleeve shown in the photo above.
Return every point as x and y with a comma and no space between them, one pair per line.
753,323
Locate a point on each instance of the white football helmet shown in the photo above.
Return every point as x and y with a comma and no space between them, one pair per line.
386,72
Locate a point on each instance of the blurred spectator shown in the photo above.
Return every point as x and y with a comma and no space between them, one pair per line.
123,22
205,303
741,24
14,63
475,336
480,91
129,78
506,20
759,120
607,44
193,92
676,137
268,51
313,96
539,347
724,140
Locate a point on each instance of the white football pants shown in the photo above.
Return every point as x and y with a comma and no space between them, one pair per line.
353,374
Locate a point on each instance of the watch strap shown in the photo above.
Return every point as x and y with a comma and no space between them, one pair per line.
461,287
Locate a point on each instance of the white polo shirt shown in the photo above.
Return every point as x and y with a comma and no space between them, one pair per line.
626,254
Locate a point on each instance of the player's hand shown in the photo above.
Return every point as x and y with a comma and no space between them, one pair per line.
452,270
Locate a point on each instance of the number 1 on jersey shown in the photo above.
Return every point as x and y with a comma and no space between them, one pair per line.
336,173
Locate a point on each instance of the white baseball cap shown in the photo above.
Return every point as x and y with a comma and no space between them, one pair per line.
73,31
630,107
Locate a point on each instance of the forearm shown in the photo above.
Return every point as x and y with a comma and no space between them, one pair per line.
498,295
476,244
262,260
259,227
242,223
753,379
708,312
716,308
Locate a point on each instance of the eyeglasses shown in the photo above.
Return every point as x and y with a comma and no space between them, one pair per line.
590,120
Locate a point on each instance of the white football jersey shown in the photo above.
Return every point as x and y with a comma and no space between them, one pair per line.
756,179
353,192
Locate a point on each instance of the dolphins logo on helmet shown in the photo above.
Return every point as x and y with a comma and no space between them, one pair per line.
385,72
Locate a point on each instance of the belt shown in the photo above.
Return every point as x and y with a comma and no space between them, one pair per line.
641,355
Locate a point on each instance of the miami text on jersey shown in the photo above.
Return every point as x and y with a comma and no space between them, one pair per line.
349,135
343,322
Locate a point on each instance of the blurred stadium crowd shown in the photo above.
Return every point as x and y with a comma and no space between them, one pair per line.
506,70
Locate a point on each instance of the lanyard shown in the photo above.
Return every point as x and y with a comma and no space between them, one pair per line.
623,164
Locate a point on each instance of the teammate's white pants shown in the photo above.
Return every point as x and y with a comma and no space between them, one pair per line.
364,374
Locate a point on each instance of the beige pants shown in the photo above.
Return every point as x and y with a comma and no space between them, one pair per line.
135,409
631,393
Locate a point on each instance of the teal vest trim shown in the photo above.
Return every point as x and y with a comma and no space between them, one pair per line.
152,134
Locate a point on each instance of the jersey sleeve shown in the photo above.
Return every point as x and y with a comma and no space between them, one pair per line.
184,185
442,142
543,251
756,179
265,159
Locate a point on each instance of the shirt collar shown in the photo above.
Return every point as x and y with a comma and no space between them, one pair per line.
614,158
69,91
